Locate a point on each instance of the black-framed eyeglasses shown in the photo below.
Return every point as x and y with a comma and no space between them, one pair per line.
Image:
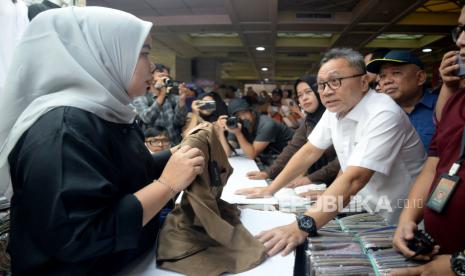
157,143
456,32
335,83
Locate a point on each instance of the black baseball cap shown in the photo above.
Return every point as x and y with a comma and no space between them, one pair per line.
394,56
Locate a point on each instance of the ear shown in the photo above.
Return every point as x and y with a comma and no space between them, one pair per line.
421,77
364,82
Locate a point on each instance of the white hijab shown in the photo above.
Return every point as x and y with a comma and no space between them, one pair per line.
80,57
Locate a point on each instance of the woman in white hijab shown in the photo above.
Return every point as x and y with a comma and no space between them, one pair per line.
86,192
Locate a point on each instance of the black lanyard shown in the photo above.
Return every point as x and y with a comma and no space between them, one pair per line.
456,166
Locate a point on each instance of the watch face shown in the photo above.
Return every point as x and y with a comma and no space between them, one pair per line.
305,223
459,266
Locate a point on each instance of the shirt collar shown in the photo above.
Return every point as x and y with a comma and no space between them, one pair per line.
427,100
357,113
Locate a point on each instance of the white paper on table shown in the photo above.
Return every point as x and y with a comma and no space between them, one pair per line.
239,180
255,221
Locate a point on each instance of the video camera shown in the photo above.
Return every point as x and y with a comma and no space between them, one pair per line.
171,83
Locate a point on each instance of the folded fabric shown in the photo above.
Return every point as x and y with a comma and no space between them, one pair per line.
203,234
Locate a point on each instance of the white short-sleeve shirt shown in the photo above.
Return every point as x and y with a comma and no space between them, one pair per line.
376,134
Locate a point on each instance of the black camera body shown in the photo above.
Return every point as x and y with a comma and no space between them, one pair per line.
422,243
170,83
231,122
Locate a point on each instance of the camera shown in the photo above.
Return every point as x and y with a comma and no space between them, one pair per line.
171,83
422,243
207,105
461,71
231,122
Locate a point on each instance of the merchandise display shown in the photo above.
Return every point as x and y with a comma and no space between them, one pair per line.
356,245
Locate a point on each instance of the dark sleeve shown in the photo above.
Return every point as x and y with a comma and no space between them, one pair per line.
326,174
298,140
79,213
433,146
160,159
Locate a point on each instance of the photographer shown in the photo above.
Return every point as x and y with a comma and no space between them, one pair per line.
161,108
257,135
209,107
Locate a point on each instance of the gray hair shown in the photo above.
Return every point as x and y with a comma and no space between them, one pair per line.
354,58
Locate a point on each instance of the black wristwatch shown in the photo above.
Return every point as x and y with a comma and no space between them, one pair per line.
307,224
457,262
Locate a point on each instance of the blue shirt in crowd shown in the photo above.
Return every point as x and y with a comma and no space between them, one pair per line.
422,117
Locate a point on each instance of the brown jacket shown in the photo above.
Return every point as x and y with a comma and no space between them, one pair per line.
324,170
203,235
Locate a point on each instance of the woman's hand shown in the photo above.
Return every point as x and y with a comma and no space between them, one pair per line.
298,181
448,69
257,175
256,192
312,194
189,161
195,107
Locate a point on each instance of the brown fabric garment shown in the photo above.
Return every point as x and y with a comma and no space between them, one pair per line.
203,235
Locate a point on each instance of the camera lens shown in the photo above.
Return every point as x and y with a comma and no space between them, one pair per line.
231,122
168,82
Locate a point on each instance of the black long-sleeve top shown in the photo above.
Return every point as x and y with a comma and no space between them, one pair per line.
73,211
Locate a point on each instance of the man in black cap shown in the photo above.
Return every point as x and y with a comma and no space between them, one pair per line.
257,135
401,76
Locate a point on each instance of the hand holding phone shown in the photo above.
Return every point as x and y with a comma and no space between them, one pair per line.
206,105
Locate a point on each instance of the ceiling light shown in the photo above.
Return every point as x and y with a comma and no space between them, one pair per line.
260,48
264,69
266,80
427,50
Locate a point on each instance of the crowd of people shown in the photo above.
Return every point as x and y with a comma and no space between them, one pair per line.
93,155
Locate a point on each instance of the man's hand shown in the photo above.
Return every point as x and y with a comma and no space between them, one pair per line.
182,95
257,175
235,130
283,238
299,181
448,69
440,265
404,233
256,192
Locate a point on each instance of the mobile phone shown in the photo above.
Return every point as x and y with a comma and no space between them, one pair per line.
461,71
204,105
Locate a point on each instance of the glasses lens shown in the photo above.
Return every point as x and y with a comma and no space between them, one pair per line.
334,84
157,142
456,33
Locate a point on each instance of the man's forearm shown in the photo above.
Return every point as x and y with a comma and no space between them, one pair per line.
444,95
343,188
248,148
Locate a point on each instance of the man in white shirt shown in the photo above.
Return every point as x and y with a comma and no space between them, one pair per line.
379,151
